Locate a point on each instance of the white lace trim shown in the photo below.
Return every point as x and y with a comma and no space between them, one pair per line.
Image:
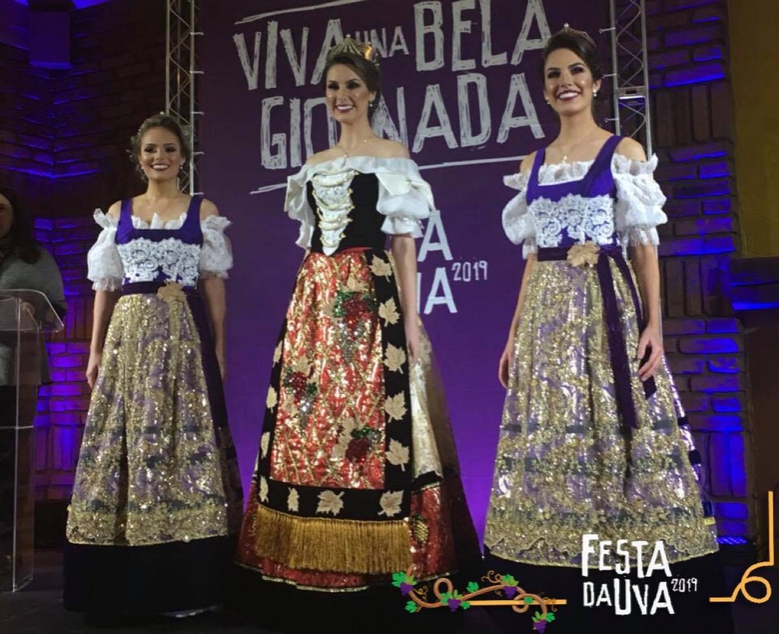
334,195
145,259
582,218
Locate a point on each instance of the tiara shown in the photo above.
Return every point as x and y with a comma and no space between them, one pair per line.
584,34
350,46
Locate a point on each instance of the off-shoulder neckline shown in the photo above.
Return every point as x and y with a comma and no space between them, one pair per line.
172,223
617,157
358,157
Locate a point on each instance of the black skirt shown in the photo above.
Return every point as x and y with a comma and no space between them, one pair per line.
380,609
137,581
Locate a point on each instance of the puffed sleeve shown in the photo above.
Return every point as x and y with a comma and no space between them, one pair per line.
517,222
639,206
216,254
405,198
297,207
104,265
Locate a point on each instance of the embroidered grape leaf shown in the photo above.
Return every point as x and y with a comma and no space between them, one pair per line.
581,254
398,578
472,586
302,365
395,358
395,406
264,442
348,425
465,605
412,607
330,502
292,500
263,489
550,617
528,600
508,580
390,503
380,268
272,399
277,353
388,311
339,449
355,285
398,455
171,292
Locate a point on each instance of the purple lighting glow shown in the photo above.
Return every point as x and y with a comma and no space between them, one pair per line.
79,4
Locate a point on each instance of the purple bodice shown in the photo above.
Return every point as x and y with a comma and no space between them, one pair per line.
577,211
158,255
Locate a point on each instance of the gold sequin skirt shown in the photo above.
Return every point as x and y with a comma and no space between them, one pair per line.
155,467
565,467
357,474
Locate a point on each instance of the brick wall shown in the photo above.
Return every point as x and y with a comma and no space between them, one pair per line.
63,146
694,138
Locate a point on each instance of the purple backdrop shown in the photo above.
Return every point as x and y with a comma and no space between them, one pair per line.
463,90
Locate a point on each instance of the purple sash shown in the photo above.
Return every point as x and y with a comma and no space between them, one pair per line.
599,181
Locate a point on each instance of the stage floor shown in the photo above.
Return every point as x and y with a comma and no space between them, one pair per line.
38,610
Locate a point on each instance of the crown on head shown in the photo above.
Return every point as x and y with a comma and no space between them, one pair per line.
584,34
350,46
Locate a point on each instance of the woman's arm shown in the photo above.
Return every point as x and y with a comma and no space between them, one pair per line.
404,252
101,317
503,366
647,268
213,289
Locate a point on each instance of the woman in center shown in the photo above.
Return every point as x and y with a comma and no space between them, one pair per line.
357,476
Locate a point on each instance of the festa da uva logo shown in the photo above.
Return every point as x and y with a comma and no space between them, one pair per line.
646,594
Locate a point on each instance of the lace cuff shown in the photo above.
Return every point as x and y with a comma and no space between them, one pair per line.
639,206
104,265
216,254
517,222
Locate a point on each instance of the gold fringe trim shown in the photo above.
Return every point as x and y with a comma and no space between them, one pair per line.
332,545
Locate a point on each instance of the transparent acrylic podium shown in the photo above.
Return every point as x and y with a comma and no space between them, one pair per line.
25,317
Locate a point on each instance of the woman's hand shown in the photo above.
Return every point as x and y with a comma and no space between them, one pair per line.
503,365
650,340
411,325
93,367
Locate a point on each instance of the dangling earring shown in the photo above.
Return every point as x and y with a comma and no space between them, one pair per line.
594,93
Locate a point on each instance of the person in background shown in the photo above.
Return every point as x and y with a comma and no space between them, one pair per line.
24,264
